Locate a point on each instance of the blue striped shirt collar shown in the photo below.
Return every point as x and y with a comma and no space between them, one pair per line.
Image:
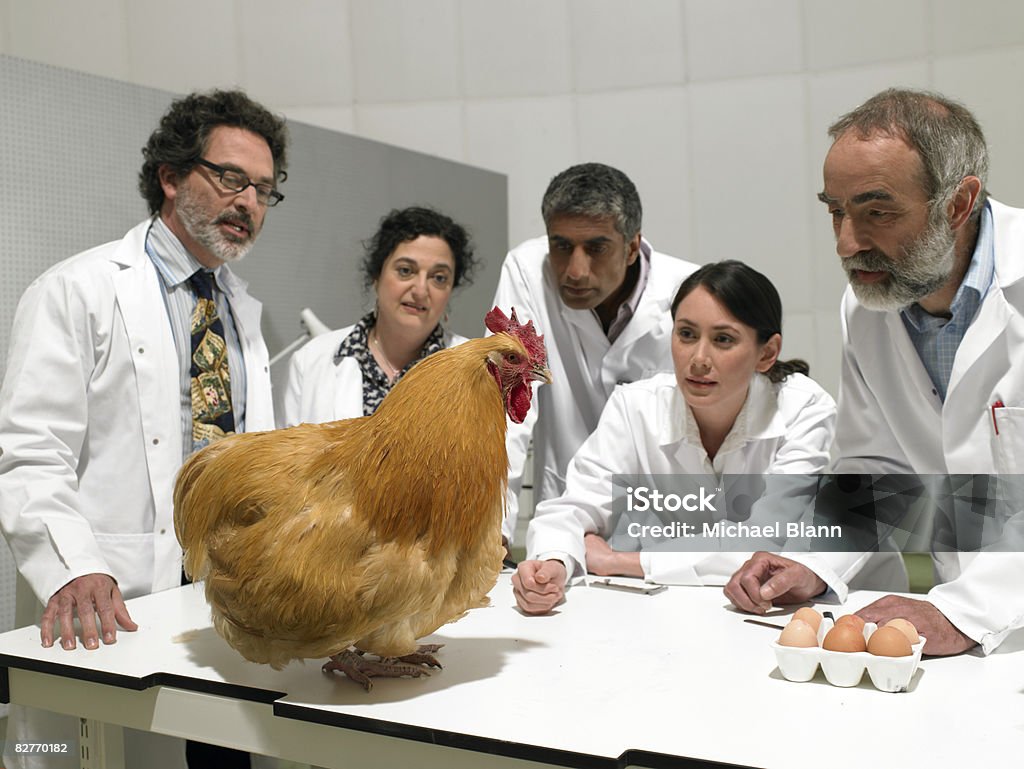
936,338
173,261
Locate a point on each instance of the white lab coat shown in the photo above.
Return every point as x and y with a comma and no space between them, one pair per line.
90,426
320,390
647,429
585,367
892,421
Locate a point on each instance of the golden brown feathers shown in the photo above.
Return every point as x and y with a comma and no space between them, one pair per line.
373,531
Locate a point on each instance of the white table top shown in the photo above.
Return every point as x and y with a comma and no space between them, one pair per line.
607,680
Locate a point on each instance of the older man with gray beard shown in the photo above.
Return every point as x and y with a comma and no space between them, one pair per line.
933,351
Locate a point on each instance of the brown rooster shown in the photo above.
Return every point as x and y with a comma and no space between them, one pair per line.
331,540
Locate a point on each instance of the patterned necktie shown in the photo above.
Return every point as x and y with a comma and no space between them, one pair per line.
212,417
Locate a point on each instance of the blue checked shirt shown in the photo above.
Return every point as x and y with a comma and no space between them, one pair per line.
937,339
175,264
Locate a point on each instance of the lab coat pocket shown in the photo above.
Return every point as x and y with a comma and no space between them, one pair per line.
130,557
1009,442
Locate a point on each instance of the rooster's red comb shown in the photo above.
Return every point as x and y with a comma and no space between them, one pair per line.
498,322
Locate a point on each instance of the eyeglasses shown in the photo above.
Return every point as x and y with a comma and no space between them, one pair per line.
236,181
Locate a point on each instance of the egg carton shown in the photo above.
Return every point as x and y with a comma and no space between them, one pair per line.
889,674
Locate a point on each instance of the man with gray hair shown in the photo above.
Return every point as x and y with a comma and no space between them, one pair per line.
600,295
933,350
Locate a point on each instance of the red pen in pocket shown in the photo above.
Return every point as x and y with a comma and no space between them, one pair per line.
995,423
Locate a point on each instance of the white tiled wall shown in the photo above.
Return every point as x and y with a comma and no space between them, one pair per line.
515,49
959,27
618,45
716,108
838,33
401,50
156,38
292,54
742,38
92,37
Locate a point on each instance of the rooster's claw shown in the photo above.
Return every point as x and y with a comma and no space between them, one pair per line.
360,669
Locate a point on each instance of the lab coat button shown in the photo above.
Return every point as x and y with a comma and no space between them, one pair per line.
156,441
141,350
163,531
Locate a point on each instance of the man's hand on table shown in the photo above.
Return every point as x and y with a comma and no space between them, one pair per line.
768,579
86,596
943,639
539,586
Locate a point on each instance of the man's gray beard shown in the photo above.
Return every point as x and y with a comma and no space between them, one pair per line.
923,270
207,234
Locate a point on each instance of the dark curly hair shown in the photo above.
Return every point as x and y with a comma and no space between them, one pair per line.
185,128
751,298
404,224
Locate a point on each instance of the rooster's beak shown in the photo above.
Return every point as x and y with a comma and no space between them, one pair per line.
540,374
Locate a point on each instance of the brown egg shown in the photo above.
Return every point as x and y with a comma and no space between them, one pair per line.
852,619
889,642
844,638
810,616
906,627
798,633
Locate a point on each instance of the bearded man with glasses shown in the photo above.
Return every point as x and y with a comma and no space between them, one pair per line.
124,360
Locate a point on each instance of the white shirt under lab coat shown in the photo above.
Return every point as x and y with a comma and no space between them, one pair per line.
891,421
647,429
90,425
585,367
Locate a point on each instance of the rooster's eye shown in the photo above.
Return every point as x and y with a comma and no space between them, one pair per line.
513,358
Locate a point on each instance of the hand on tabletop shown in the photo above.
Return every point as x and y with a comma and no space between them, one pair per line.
943,637
539,585
87,597
767,579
